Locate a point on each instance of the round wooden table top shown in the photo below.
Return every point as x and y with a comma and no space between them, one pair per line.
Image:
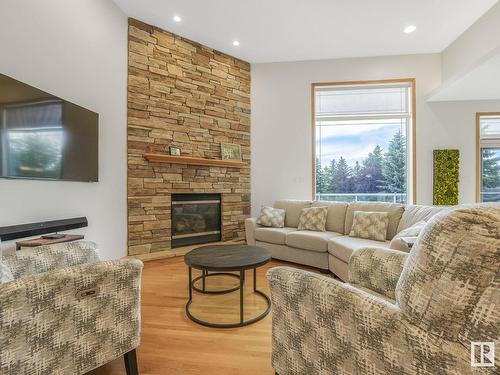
227,257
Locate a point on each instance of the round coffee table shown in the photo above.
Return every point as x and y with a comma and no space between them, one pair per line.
222,260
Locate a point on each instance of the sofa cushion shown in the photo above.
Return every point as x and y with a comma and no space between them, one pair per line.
394,210
416,213
310,240
271,217
313,218
273,235
370,225
335,219
343,246
292,208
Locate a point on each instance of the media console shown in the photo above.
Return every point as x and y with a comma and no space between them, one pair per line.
13,232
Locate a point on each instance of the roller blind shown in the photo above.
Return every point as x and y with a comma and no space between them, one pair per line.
377,101
490,127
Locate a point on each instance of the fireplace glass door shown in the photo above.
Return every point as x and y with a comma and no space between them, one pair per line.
196,219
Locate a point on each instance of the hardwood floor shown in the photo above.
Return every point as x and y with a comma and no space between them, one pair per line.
173,344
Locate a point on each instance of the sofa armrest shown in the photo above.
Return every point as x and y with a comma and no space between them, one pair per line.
377,269
250,226
75,318
50,257
312,321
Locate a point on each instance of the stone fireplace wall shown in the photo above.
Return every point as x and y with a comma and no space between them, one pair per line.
181,93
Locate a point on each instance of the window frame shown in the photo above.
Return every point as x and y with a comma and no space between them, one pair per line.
412,83
478,151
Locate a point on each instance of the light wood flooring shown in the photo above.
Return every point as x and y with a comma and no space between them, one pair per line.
171,344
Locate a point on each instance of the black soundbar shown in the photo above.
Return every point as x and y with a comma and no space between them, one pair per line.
28,230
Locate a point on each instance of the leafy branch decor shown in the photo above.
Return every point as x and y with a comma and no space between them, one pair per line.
446,177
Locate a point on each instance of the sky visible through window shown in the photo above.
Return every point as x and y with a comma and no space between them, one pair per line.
355,140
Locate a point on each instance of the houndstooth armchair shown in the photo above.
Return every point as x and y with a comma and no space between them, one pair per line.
401,313
66,312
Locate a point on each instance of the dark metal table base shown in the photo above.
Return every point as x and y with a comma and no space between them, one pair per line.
239,287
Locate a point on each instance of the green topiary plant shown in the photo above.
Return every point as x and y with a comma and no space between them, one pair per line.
446,177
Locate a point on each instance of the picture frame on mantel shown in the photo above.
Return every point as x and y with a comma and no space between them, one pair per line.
230,151
175,151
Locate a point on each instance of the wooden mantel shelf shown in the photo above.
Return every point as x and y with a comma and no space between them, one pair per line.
173,159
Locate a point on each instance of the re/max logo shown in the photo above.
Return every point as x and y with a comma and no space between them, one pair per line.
482,354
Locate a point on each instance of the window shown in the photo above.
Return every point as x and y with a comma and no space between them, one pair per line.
32,139
364,141
488,157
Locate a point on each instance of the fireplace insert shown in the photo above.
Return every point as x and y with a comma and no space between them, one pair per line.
196,218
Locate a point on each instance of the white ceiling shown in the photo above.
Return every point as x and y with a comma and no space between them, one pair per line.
291,30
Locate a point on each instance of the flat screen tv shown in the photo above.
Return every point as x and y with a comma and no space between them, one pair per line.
45,137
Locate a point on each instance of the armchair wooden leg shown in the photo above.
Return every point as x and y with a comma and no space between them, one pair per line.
131,363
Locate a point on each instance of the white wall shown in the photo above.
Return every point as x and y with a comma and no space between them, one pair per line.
457,129
470,62
281,122
77,50
478,43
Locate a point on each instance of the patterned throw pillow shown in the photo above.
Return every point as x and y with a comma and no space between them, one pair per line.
370,225
313,218
271,217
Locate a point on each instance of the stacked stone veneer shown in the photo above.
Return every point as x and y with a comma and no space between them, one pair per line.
184,94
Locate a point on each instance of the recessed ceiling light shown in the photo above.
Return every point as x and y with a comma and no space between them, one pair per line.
409,29
177,19
236,43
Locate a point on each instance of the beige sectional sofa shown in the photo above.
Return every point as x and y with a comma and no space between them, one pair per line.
330,250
